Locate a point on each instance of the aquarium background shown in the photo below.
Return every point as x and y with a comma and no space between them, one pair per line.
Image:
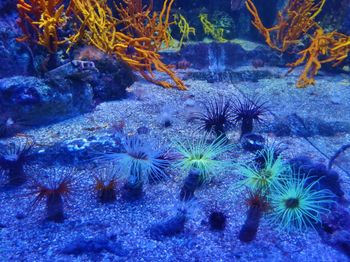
173,130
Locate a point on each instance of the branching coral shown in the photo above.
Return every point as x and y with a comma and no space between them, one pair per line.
184,27
324,48
210,29
142,34
41,21
294,21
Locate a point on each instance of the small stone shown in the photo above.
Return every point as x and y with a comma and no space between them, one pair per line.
20,215
143,130
95,245
252,142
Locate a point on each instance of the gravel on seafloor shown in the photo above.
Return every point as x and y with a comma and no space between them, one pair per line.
27,236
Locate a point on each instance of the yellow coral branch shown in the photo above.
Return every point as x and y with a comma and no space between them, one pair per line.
140,37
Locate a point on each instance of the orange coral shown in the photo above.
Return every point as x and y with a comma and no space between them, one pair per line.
294,21
141,36
40,21
324,48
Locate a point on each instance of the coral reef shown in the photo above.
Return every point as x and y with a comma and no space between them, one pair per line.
42,21
184,28
210,29
295,21
139,40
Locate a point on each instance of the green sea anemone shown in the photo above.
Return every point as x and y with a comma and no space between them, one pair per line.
203,156
261,179
297,204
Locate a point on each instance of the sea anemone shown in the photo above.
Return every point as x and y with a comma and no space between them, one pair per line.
248,111
270,152
55,190
8,126
262,178
258,204
296,204
138,164
191,183
105,184
203,156
217,116
139,160
217,220
13,159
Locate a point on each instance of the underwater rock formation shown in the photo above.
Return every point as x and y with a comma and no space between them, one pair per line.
218,57
328,178
7,6
15,59
85,245
65,91
299,126
40,102
75,151
170,227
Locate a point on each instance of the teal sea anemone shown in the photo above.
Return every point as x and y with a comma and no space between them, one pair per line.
203,156
261,179
139,161
297,205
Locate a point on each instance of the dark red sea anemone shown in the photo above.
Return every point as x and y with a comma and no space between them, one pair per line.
247,111
105,185
217,116
55,191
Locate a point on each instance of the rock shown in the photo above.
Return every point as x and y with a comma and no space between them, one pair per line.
43,101
78,150
113,80
7,6
216,57
252,142
306,127
171,227
143,130
328,178
94,245
335,229
15,58
114,75
245,74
